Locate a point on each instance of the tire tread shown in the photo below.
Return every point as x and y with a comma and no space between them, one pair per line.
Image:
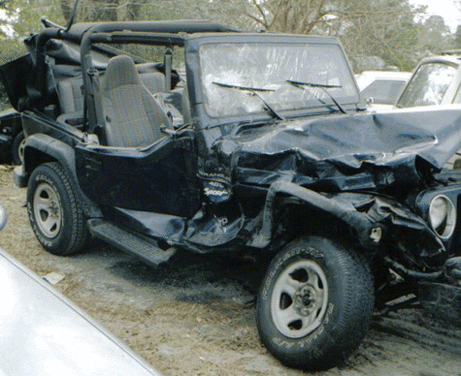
79,233
344,335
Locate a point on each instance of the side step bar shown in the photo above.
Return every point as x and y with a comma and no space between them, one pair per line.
144,248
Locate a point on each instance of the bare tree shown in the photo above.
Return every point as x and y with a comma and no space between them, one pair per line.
435,35
291,16
66,7
384,28
105,10
389,29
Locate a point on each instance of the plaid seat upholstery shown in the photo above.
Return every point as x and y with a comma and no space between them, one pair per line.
132,115
153,81
71,95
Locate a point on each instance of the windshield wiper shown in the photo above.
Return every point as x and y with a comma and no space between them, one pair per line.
254,92
324,87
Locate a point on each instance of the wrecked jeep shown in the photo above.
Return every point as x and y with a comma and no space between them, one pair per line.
159,136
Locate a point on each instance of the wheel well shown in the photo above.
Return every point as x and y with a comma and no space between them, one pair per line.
295,218
34,157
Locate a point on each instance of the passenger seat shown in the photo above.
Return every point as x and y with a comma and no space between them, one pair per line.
70,94
153,81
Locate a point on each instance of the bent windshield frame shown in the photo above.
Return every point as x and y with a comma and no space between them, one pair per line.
271,66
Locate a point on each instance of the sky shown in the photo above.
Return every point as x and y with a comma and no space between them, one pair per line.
450,10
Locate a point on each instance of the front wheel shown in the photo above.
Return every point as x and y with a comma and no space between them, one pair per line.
315,303
54,211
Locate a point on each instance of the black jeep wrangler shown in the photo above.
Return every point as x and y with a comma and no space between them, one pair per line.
159,136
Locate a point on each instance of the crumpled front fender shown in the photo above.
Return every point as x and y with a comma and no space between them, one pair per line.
364,225
374,220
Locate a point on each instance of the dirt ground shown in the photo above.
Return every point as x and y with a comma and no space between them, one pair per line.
195,315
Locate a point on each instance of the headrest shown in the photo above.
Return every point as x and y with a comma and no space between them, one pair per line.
120,71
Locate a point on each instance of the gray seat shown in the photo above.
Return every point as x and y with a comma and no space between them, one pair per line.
71,95
132,116
153,81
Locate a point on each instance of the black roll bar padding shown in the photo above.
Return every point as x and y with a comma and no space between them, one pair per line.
51,32
170,27
40,68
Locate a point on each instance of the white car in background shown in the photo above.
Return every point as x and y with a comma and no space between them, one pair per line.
435,81
43,333
380,89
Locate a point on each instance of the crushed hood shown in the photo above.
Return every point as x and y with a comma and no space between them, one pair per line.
342,152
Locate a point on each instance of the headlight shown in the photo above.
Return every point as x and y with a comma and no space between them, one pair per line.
442,216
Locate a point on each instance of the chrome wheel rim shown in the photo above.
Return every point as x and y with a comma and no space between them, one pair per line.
47,210
299,299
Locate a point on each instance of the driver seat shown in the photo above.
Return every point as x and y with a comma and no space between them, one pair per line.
132,116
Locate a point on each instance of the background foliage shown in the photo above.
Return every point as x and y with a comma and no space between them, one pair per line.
376,34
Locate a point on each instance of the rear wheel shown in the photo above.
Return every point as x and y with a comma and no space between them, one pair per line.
54,212
315,303
17,148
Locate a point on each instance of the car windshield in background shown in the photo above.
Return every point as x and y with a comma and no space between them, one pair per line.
427,86
384,91
236,76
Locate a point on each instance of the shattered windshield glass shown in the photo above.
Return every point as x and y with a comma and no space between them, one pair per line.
230,70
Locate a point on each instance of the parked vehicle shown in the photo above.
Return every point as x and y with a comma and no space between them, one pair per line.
435,81
380,89
264,150
11,137
43,333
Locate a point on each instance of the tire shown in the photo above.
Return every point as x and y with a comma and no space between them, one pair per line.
54,211
16,148
315,304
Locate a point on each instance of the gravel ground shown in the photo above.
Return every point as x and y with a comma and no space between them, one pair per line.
195,315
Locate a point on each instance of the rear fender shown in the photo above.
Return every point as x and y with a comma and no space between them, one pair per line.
40,148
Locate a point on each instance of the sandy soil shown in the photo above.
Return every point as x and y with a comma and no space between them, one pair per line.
195,315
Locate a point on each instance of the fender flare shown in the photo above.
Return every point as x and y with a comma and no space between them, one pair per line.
40,148
361,223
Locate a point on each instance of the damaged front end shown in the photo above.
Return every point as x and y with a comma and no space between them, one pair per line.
412,251
377,182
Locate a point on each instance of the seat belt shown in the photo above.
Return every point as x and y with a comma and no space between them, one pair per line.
95,109
168,63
